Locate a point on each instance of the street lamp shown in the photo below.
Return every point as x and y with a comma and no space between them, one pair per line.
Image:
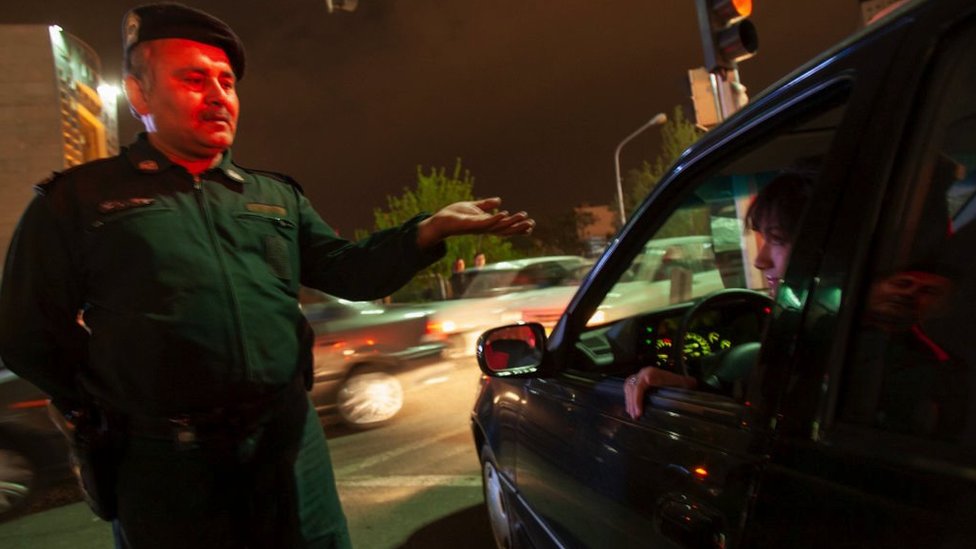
659,118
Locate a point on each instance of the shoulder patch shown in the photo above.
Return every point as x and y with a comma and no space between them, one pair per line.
277,176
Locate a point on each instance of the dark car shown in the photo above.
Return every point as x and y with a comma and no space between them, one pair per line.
32,450
840,414
364,355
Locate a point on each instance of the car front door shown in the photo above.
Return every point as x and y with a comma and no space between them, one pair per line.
682,474
877,436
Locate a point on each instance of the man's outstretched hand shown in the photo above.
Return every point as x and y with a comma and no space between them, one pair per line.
473,217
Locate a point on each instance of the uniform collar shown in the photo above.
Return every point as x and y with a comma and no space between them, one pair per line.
148,159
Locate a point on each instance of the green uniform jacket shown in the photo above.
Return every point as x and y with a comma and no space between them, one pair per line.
188,286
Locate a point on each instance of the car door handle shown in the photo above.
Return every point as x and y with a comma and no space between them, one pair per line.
688,523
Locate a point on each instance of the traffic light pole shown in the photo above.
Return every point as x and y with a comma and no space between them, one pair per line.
727,38
730,93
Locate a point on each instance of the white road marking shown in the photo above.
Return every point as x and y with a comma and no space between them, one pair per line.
395,481
387,456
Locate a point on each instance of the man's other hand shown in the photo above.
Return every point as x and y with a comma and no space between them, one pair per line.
475,217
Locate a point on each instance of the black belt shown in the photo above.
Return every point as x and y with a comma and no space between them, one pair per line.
232,423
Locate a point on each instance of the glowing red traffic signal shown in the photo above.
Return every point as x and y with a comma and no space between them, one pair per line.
727,35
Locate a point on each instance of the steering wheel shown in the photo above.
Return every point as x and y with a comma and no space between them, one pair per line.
721,298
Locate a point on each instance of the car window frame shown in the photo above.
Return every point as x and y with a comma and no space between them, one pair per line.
696,165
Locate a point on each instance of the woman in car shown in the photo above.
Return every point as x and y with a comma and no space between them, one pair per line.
774,214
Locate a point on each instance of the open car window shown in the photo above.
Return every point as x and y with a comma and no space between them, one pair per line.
700,248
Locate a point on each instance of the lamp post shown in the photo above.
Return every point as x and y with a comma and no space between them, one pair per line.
657,120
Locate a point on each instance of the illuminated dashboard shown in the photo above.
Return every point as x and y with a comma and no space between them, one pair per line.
649,340
657,342
711,333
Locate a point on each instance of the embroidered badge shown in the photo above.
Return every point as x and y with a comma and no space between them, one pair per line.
148,166
269,209
111,206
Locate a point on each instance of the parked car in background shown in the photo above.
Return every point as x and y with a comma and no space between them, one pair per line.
488,292
840,414
33,452
365,354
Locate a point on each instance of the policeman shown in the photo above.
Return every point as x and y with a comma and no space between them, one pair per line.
157,291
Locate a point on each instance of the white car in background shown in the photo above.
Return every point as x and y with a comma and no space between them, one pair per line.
670,270
489,295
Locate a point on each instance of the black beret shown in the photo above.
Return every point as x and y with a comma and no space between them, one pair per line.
172,20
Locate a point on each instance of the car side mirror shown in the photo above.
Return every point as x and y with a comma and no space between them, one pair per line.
513,350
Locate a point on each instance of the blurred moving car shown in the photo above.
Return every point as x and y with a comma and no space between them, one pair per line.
365,353
489,292
842,414
669,268
32,450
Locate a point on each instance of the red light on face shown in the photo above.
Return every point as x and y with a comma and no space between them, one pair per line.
701,472
767,310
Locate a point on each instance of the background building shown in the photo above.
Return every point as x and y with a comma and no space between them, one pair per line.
595,226
55,112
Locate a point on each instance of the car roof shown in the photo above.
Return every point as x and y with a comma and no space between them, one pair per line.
526,262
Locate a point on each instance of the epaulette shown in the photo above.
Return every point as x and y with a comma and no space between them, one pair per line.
43,187
278,176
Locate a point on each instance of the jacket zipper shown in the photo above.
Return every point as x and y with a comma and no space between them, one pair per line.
239,326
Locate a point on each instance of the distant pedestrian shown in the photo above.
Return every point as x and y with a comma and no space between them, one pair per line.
458,278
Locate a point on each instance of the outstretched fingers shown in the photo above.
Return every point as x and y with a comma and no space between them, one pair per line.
519,223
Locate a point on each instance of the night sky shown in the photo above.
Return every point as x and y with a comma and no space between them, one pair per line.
533,96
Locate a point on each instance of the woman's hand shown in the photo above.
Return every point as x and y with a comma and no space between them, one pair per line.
637,385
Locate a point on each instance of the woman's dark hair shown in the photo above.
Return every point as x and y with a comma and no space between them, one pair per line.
783,201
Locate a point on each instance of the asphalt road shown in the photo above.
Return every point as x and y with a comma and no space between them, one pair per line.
414,483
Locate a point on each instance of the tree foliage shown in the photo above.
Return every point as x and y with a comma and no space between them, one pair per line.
434,190
557,233
677,134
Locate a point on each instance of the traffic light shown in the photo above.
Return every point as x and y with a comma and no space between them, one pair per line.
727,35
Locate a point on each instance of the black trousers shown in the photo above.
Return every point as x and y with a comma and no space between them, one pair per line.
217,496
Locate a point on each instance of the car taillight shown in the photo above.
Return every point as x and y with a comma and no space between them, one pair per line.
444,327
